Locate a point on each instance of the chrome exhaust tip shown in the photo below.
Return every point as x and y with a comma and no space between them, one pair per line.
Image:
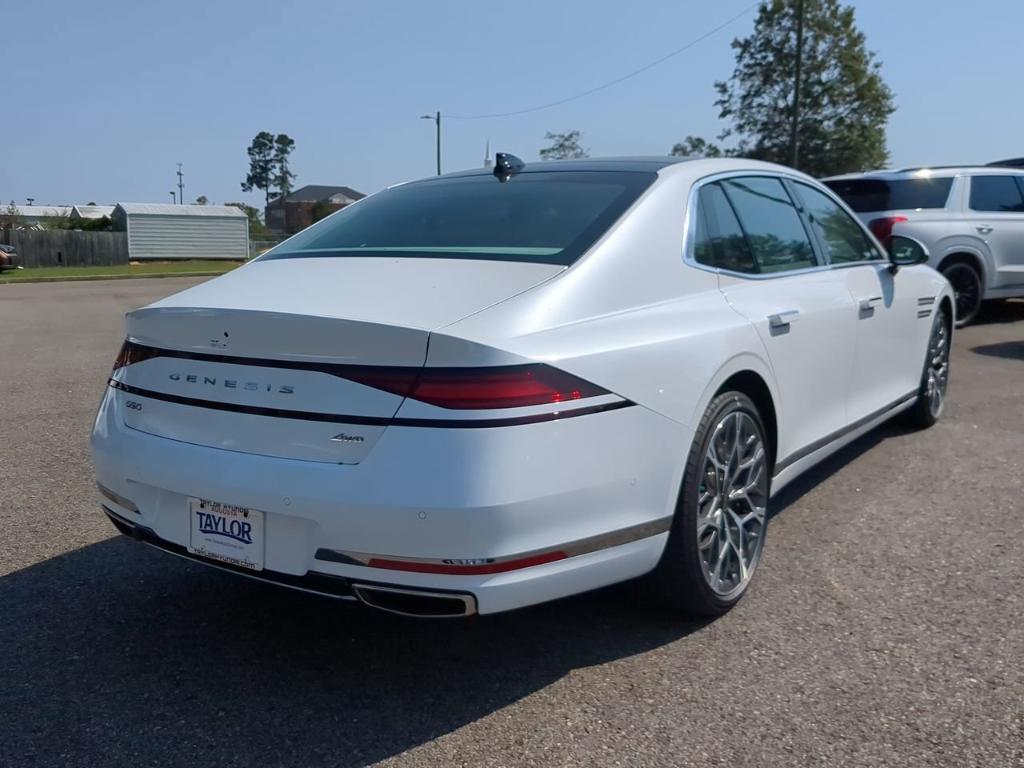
422,604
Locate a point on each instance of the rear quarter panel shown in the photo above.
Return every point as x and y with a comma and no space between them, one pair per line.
631,316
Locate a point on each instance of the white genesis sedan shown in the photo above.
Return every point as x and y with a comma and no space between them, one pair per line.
490,389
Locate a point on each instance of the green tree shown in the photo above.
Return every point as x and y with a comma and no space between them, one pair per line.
10,218
60,221
283,178
321,210
202,200
564,146
844,102
261,164
256,227
102,224
694,146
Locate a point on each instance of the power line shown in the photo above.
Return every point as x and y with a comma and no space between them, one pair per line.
616,81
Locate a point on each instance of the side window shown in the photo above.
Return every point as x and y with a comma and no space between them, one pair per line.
840,236
775,233
719,241
996,193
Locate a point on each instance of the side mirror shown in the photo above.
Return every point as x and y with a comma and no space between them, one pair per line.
906,252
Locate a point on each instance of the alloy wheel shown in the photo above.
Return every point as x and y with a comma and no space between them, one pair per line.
732,503
938,368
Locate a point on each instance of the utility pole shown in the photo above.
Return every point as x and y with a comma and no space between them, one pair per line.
181,186
437,121
172,197
794,140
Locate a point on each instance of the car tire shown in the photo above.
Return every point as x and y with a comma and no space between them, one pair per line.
966,282
701,540
931,396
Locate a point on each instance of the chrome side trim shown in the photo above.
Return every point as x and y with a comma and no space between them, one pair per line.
807,450
572,549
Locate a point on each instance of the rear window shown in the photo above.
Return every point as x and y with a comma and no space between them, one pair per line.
867,195
546,217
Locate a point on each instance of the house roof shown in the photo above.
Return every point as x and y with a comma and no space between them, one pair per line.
167,209
314,193
91,211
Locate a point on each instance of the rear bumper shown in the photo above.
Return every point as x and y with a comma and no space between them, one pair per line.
426,494
420,603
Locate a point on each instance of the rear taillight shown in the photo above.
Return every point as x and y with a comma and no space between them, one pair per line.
122,357
482,388
513,386
882,227
133,353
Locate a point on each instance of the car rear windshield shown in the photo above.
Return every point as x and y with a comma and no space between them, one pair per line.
867,195
546,217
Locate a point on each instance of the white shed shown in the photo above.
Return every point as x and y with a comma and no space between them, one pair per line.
161,231
91,211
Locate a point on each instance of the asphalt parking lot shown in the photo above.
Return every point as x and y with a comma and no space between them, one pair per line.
886,626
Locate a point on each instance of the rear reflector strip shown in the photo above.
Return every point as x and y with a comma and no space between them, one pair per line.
453,568
379,421
488,565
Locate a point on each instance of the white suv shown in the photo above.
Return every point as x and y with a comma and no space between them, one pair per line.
970,218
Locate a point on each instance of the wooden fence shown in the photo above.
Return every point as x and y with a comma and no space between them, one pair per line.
66,248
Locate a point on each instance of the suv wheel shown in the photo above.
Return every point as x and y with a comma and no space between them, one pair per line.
966,284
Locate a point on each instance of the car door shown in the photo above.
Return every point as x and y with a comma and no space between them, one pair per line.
997,205
803,312
890,343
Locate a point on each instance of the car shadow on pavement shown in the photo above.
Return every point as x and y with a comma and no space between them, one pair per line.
1008,350
1005,311
116,654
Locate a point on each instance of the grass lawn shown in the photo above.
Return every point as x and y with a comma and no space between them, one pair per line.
148,269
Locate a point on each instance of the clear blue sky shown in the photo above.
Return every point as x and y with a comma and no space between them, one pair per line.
100,101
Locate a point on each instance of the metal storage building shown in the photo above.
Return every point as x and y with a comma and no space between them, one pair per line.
91,211
161,231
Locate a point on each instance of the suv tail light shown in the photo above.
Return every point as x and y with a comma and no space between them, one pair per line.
882,227
481,388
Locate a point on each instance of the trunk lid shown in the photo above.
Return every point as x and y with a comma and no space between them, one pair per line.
407,292
255,361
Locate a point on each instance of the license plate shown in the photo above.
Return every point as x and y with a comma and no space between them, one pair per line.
233,535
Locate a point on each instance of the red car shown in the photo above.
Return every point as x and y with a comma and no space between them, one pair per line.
8,257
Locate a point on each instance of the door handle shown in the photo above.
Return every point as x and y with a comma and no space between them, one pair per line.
868,305
983,230
784,318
